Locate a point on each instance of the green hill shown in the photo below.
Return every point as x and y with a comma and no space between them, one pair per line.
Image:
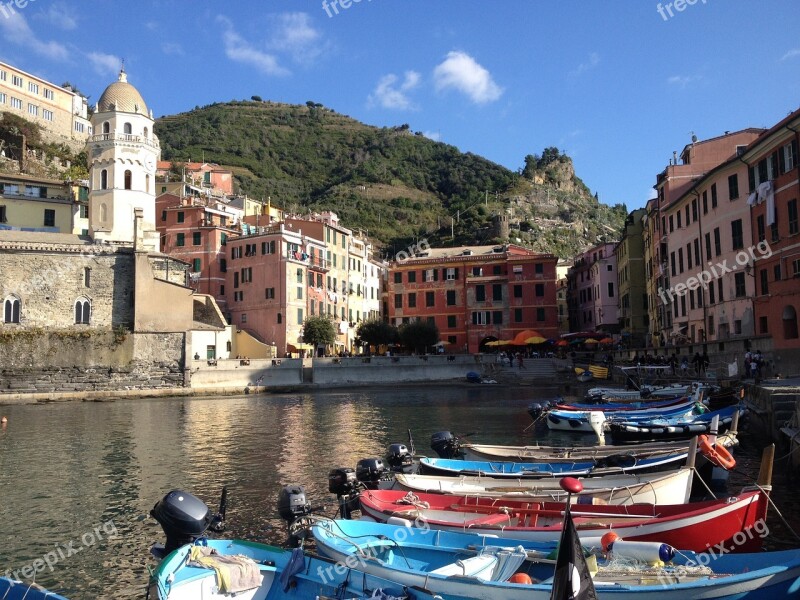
390,183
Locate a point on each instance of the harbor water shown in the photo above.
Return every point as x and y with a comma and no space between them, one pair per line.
77,480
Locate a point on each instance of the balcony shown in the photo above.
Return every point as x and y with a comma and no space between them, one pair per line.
125,137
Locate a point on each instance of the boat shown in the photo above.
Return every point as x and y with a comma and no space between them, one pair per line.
695,526
587,421
668,487
12,589
607,465
571,453
467,566
672,428
623,407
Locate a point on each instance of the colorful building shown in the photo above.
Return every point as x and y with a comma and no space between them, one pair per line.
36,204
629,252
476,294
592,290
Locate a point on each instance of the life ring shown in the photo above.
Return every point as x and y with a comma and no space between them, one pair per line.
717,454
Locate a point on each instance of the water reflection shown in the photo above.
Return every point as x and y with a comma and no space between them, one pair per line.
67,468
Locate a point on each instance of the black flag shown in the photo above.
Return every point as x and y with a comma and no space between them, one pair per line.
572,580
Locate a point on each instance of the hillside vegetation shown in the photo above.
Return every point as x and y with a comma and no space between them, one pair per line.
394,185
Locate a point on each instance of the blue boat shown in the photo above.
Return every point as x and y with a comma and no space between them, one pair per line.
609,465
675,428
11,589
461,566
577,420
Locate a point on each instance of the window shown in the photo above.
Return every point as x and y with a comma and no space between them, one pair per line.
299,276
11,309
708,246
126,129
713,195
538,268
497,292
517,315
451,274
299,316
3,216
764,282
610,289
268,247
47,115
104,179
398,300
33,110
223,265
737,236
789,317
411,276
477,272
711,299
738,279
733,187
761,231
16,103
128,180
430,299
762,325
694,209
279,318
49,217
430,275
540,314
788,157
48,93
299,292
197,264
222,290
679,220
497,317
451,321
539,290
82,311
196,238
671,224
792,209
3,98
773,229
87,277
705,202
181,240
720,291
33,87
481,317
16,80
689,256
412,300
480,293
181,216
398,277
79,127
680,260
451,297
3,75
776,271
717,242
269,293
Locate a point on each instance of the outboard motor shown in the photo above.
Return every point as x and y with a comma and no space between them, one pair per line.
370,472
183,517
399,457
535,410
445,444
344,484
292,506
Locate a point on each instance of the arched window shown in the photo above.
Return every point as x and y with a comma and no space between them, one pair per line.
106,127
103,213
789,323
146,132
147,183
83,309
11,308
104,179
127,129
280,318
128,178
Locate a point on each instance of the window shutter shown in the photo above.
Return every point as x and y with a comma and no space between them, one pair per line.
781,161
456,272
436,274
751,177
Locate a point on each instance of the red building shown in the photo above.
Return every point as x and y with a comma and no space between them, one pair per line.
476,294
773,174
195,230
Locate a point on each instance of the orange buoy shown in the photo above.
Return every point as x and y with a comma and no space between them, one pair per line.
716,454
607,540
521,578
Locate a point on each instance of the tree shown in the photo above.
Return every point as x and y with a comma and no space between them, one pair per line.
256,98
376,332
319,331
419,335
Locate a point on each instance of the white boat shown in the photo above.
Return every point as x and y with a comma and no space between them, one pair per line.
670,487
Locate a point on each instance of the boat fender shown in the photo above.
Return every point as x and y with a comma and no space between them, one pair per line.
574,423
399,522
522,578
554,419
716,454
649,552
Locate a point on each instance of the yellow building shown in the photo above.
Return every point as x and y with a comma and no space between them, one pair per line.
35,204
62,113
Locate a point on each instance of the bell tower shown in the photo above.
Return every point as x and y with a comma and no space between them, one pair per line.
122,152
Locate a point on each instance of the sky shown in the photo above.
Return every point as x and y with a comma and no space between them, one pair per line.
617,85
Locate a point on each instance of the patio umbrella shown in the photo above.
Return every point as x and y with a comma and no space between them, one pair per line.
562,343
590,341
535,340
443,343
519,339
607,341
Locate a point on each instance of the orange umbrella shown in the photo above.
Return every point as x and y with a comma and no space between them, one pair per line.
562,343
519,339
606,341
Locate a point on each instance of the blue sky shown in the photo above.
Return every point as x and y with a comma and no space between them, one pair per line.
617,85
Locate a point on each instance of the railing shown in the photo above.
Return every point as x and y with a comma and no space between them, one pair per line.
125,137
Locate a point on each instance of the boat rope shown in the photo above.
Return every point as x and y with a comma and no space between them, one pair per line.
775,508
414,500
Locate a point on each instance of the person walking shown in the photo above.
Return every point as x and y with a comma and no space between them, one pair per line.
705,361
697,361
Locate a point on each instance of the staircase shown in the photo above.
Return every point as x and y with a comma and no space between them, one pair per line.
535,371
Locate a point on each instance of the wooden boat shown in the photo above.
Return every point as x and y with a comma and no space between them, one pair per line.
577,420
670,487
694,526
466,566
608,465
572,453
12,589
177,578
672,428
646,392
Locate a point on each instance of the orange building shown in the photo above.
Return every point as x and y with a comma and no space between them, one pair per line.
476,294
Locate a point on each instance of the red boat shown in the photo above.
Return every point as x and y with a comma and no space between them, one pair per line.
734,524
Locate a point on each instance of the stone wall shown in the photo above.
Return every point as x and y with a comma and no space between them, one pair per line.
73,360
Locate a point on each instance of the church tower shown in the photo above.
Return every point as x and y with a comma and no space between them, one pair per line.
123,152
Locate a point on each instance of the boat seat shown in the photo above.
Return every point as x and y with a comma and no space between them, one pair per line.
480,567
490,519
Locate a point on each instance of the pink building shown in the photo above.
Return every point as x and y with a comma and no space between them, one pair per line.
592,290
204,175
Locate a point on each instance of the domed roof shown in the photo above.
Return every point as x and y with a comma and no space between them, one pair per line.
122,96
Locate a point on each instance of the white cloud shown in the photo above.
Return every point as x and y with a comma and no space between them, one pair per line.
388,95
105,64
15,30
461,72
594,60
791,54
172,48
433,135
295,36
59,15
240,50
682,80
